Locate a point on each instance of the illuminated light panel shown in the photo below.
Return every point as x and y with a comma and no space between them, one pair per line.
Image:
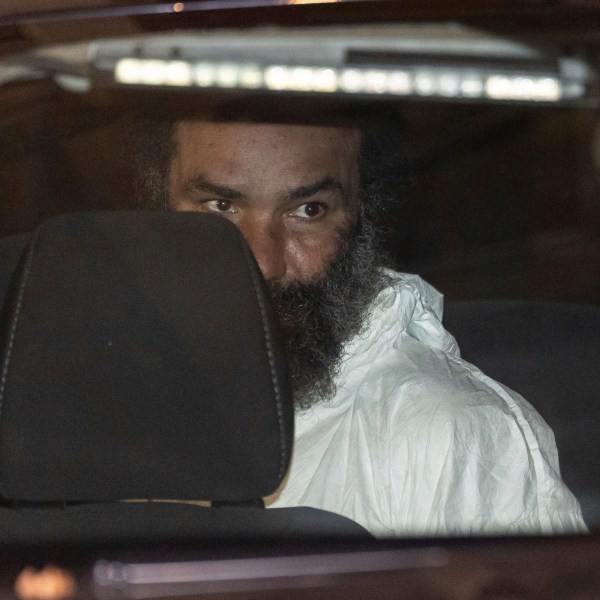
352,81
376,81
276,77
542,89
154,72
448,85
425,83
422,82
179,73
472,86
499,87
301,79
325,80
549,88
251,77
524,87
128,70
399,82
227,75
205,74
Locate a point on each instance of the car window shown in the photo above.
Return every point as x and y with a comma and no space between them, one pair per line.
492,147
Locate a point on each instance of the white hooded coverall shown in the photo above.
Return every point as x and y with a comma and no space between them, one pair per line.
418,442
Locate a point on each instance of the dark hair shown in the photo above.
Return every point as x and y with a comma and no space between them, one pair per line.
383,164
385,173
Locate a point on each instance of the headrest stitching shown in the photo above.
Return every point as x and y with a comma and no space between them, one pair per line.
13,327
259,295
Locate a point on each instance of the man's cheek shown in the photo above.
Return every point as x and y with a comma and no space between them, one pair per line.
310,262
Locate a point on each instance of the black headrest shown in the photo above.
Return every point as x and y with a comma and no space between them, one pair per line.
140,361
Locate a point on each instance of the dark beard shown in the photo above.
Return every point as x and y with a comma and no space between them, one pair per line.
319,317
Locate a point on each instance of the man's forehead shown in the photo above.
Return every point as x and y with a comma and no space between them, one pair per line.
263,157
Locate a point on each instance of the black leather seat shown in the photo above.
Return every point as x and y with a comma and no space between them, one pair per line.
141,362
549,352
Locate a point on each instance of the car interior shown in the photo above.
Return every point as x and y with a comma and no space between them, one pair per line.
145,402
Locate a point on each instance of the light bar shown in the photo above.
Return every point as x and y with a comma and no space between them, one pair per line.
500,87
414,81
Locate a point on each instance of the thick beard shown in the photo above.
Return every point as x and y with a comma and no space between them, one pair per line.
319,317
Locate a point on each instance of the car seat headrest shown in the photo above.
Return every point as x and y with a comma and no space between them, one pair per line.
140,360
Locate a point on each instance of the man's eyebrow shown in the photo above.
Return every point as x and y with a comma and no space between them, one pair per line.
325,185
201,184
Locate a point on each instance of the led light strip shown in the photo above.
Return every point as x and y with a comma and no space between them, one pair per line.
418,81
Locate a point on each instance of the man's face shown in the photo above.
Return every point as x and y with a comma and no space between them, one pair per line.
291,190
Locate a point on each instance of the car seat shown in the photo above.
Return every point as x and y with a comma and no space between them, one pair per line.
141,362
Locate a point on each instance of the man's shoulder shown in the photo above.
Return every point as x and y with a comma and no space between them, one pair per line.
405,361
418,389
417,383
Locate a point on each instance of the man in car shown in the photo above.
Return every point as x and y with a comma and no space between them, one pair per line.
393,429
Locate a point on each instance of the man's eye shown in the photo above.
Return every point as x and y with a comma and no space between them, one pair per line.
221,206
310,210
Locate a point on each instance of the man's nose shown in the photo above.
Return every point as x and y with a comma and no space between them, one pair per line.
267,243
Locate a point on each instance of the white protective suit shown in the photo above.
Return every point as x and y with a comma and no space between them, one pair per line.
418,442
